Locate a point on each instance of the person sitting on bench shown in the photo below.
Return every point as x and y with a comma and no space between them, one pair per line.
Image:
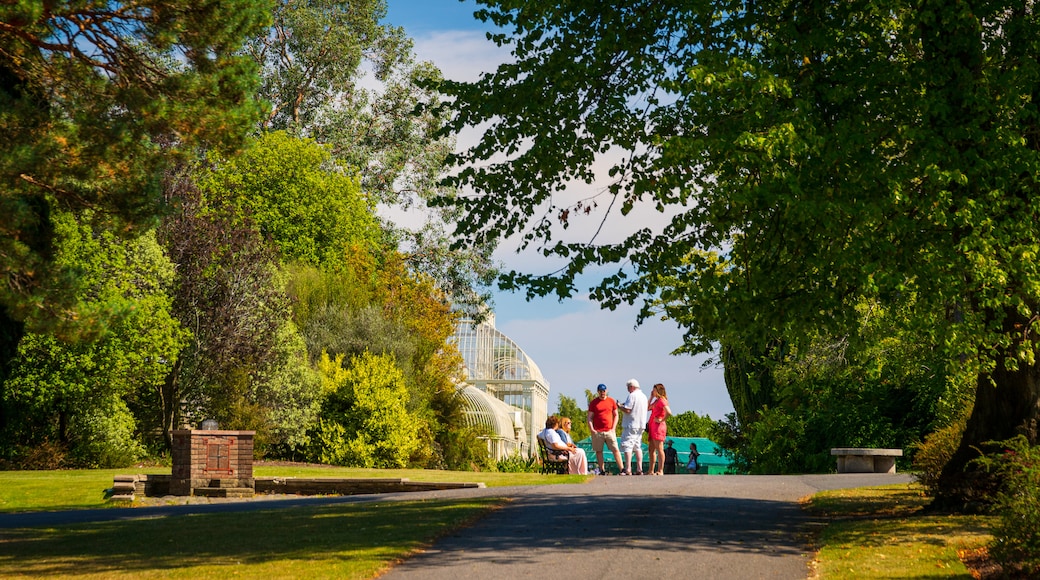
576,460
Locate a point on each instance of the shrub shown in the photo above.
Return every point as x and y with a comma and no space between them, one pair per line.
45,454
932,454
463,449
1016,537
104,437
517,463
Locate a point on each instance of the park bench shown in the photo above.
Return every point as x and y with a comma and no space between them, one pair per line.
866,459
555,462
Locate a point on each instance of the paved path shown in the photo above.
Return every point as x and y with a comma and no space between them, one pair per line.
703,527
716,527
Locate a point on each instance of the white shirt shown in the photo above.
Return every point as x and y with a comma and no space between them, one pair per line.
637,402
552,439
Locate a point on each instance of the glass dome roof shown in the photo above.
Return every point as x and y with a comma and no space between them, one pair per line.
488,413
490,355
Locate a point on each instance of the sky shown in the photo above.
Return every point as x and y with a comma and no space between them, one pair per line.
575,344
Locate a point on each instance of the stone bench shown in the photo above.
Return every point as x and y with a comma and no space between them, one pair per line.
866,460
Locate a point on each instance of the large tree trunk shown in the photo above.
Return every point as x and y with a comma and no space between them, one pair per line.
1002,410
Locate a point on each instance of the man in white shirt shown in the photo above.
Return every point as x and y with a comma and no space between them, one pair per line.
632,426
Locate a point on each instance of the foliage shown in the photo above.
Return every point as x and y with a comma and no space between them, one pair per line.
935,451
290,392
517,463
334,73
568,407
297,196
96,99
105,435
365,420
775,445
384,309
801,156
878,387
313,63
228,295
75,392
690,424
460,447
1016,537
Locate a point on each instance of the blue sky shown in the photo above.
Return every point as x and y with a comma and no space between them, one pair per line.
575,344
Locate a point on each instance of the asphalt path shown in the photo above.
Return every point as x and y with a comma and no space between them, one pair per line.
680,526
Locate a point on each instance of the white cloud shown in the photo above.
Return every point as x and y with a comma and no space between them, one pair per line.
462,55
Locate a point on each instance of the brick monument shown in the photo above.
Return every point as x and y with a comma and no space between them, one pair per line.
211,462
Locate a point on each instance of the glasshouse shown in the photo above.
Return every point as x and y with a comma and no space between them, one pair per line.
504,390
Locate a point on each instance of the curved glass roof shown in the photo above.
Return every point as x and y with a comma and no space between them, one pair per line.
483,410
490,355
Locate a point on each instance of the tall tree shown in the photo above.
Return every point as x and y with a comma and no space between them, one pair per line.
227,294
298,196
78,394
802,154
95,97
334,72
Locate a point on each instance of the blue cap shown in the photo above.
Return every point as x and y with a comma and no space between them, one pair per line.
601,387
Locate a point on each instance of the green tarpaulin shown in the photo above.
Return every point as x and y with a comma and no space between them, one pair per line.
711,461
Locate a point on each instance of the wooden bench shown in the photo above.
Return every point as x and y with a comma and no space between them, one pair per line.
556,462
866,460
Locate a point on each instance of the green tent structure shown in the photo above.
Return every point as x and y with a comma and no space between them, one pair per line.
712,459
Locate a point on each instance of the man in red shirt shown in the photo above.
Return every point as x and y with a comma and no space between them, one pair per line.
603,418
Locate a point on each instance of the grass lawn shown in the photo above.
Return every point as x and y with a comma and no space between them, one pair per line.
84,488
340,541
884,532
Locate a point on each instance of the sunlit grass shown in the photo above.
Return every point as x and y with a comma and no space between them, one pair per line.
337,541
84,488
884,532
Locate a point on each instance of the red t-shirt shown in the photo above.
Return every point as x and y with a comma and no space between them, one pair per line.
602,413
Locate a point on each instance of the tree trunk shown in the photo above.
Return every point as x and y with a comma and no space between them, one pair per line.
1002,410
169,395
11,333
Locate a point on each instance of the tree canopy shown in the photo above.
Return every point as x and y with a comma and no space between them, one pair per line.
802,156
95,99
335,73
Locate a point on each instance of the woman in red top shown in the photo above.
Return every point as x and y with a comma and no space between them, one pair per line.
657,428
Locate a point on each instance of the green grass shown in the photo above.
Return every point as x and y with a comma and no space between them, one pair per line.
884,532
340,541
59,490
84,488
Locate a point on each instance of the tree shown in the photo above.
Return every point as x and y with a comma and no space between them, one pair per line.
310,207
884,386
334,73
383,309
690,424
803,155
95,99
78,393
227,294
